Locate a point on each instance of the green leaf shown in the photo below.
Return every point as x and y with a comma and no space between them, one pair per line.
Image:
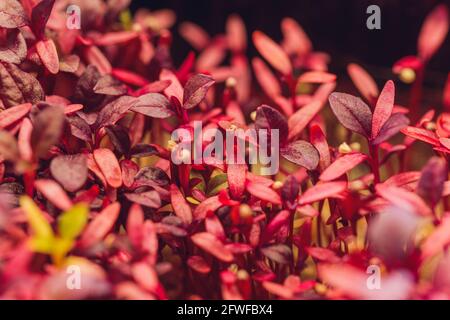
72,222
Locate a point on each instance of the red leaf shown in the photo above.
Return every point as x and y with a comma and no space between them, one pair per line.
129,77
433,32
383,108
135,225
54,193
100,226
212,245
199,264
281,219
11,115
352,112
180,205
322,191
109,166
272,52
211,204
46,50
113,38
263,192
403,199
363,81
319,141
343,164
422,135
236,179
446,95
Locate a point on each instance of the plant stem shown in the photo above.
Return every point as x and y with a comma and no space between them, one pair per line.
373,149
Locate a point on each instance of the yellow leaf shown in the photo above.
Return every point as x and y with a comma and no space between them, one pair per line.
60,248
72,222
36,219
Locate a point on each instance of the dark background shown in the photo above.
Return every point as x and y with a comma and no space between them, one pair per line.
335,26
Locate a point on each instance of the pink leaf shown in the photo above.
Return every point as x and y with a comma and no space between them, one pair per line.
403,199
263,192
302,117
422,135
383,108
54,193
100,226
236,179
11,115
316,77
46,50
109,166
272,52
363,81
433,32
322,191
212,245
180,205
343,164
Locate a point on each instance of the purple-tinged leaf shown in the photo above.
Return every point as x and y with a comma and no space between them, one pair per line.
143,150
39,17
195,90
352,113
432,179
150,199
280,220
14,48
119,138
267,118
110,86
8,146
113,111
18,87
391,127
47,129
154,105
80,128
12,14
151,176
70,171
302,153
289,191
